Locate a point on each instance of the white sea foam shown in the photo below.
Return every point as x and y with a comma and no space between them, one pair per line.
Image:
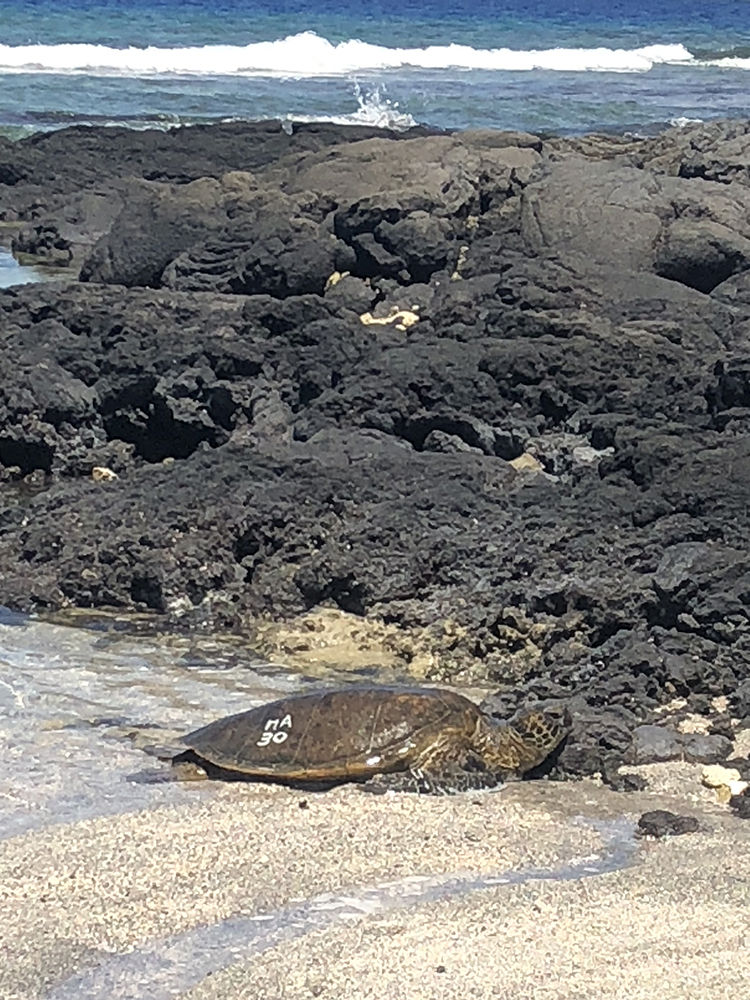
683,122
308,55
729,62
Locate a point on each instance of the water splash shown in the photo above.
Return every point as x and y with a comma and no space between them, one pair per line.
374,109
683,122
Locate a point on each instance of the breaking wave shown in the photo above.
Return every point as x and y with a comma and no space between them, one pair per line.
374,109
308,55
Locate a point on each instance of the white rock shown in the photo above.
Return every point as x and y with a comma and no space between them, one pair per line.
715,775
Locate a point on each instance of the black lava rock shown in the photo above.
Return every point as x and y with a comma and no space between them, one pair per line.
276,454
661,823
624,782
741,805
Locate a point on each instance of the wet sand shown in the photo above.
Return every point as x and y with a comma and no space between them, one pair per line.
677,922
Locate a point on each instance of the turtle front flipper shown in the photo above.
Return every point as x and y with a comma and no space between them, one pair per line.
450,779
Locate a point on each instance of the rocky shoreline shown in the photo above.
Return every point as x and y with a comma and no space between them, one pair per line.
477,404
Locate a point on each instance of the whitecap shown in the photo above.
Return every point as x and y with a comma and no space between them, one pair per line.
308,55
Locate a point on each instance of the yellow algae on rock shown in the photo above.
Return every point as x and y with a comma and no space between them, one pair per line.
101,474
460,262
526,463
335,278
402,319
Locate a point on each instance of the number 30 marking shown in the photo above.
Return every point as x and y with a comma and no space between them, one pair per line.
267,738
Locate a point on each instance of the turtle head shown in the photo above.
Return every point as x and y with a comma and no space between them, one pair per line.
528,740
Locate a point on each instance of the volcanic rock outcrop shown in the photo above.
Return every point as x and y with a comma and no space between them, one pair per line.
487,393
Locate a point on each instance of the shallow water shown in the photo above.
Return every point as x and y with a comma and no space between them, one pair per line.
165,968
70,696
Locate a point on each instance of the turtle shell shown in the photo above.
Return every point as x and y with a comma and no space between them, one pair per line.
337,735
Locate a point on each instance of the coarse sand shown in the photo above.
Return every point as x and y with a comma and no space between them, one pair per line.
676,922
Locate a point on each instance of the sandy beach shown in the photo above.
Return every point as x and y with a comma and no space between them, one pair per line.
676,921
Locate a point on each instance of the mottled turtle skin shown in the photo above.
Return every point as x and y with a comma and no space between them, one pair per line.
409,739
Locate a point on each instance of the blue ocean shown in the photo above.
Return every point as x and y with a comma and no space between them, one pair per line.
564,66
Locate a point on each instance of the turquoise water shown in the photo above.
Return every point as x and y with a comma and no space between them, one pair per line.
564,65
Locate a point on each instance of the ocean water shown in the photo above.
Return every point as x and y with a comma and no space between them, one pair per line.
552,65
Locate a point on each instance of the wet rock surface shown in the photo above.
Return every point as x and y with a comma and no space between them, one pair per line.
662,823
531,463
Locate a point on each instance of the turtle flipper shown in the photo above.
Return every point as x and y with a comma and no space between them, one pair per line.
449,780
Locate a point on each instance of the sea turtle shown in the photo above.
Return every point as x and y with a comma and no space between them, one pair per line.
401,738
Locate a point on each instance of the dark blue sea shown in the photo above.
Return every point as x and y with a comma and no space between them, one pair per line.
555,65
